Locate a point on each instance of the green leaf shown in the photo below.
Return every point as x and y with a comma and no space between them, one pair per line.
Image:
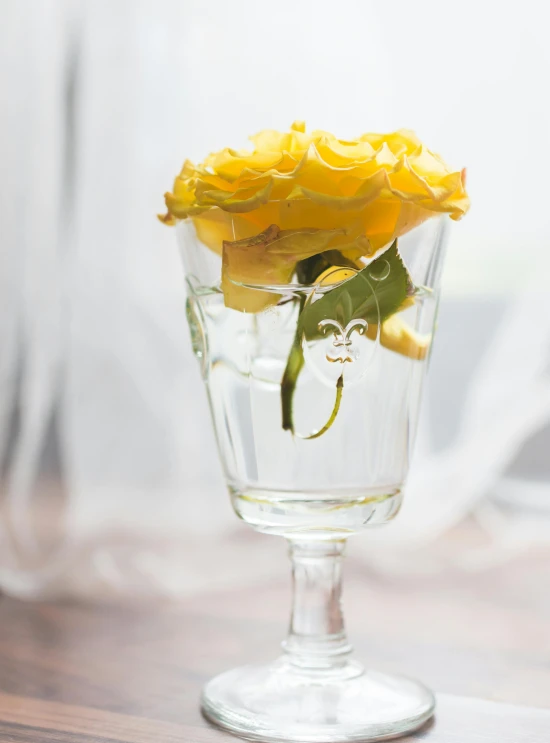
307,272
373,294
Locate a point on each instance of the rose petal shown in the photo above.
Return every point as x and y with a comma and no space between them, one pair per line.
362,193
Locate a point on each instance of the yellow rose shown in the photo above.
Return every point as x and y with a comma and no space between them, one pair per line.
309,193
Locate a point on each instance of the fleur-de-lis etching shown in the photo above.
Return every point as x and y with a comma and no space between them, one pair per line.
342,338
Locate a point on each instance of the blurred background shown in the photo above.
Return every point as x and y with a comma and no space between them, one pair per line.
109,479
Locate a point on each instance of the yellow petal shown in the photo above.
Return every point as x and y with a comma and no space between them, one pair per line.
243,200
230,166
180,209
167,219
334,275
303,243
341,154
268,258
248,261
298,126
397,336
361,193
368,191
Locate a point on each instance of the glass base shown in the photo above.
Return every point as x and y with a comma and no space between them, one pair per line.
281,702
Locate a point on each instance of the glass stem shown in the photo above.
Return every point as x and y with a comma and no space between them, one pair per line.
317,639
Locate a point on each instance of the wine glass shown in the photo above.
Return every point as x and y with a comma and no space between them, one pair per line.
315,404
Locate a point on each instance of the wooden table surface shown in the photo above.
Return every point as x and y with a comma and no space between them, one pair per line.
75,672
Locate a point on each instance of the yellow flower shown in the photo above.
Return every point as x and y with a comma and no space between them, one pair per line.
318,192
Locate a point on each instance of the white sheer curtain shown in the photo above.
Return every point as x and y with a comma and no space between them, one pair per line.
110,479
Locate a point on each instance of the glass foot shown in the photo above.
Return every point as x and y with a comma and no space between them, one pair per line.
280,702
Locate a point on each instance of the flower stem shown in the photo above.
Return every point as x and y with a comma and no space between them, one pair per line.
335,409
290,375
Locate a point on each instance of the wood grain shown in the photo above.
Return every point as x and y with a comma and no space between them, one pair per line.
459,720
72,672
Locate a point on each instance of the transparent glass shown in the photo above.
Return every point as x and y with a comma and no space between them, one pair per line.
315,490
